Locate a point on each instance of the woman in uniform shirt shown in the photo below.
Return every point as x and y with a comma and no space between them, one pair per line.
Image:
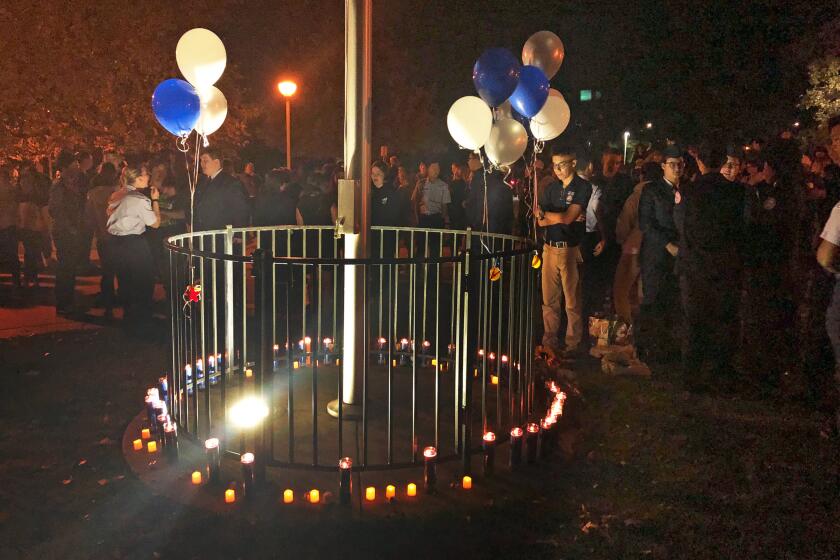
130,212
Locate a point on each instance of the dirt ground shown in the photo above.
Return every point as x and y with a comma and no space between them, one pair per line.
660,473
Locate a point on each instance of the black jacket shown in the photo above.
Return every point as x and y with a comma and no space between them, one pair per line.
656,220
220,202
712,231
390,206
499,204
275,208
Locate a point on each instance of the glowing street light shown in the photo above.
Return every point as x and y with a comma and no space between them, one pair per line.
287,89
626,138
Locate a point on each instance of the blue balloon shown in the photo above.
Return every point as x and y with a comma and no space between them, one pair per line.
495,75
176,106
531,92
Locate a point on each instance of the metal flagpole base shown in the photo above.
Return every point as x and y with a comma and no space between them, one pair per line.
348,411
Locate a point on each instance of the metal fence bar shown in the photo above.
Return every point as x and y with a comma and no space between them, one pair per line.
495,310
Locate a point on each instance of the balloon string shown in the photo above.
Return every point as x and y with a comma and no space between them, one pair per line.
486,218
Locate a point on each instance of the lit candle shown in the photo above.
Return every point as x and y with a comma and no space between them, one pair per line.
314,496
145,433
249,372
390,491
149,401
434,362
188,378
247,461
545,437
151,446
494,380
466,482
295,365
138,445
196,477
276,356
370,493
328,348
308,342
429,469
488,444
230,496
381,357
531,442
214,459
163,388
170,440
288,496
345,481
394,363
515,447
411,490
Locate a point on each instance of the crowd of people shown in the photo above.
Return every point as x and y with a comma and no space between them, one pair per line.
708,250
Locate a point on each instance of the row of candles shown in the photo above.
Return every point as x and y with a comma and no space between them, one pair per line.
161,431
540,436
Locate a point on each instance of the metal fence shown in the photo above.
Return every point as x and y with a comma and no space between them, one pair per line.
447,350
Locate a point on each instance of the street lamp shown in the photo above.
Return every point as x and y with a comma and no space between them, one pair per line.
287,89
626,138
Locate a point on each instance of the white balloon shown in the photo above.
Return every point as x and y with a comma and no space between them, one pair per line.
469,121
201,57
214,110
507,142
552,119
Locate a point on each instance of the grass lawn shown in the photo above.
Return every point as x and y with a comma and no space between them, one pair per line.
658,473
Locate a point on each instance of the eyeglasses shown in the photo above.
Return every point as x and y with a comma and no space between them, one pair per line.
562,164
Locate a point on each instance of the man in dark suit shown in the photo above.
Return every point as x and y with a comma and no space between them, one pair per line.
499,218
657,321
709,268
220,198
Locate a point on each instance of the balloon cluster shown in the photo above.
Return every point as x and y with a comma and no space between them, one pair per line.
195,104
515,101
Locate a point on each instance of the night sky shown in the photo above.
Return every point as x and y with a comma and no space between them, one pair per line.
691,68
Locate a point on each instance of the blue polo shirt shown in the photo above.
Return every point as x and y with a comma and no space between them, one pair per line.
557,198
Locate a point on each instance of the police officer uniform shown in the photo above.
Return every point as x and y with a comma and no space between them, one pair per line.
130,213
561,256
657,319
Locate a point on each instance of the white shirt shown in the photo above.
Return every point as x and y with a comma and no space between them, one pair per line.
435,196
130,212
831,231
591,208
